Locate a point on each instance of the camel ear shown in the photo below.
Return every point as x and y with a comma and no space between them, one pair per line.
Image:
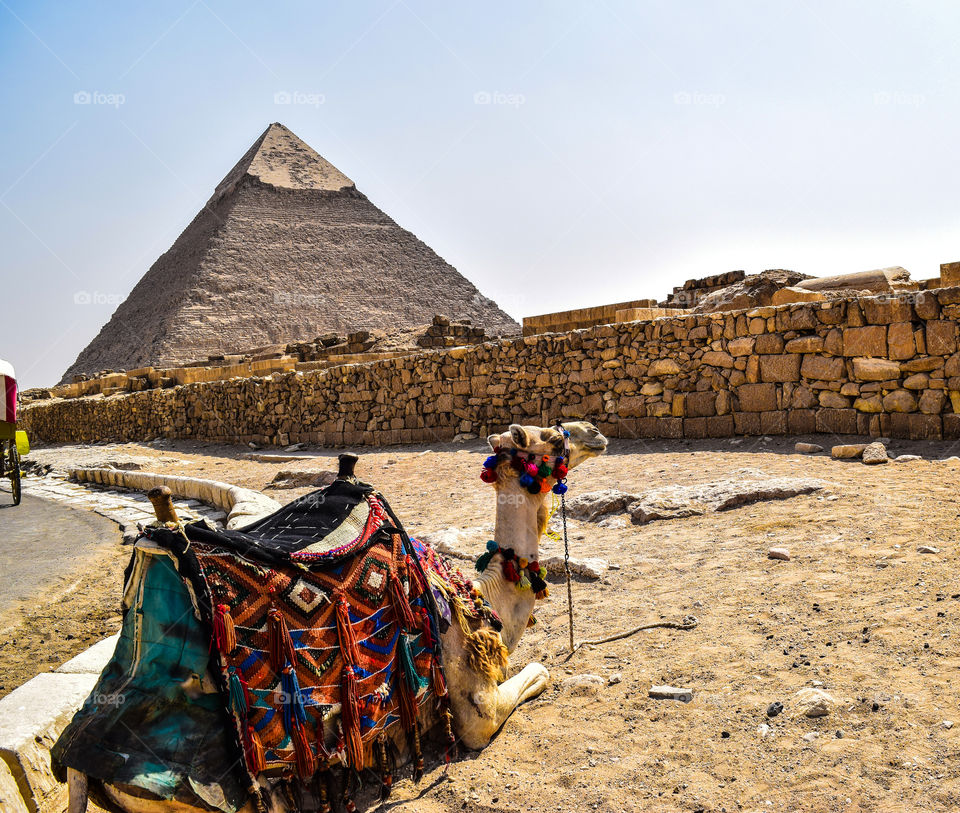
519,436
493,440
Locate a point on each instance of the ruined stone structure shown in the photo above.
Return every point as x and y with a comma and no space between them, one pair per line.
285,249
884,365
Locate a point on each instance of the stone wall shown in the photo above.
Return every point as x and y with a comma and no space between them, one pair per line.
884,365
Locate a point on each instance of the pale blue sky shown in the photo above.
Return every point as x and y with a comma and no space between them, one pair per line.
623,146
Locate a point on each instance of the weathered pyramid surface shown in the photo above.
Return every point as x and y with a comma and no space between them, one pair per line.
284,250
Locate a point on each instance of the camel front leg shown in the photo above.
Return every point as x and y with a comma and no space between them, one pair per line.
491,708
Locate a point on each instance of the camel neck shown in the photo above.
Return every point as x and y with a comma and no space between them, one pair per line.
517,528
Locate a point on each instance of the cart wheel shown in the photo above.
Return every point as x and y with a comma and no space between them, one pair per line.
15,474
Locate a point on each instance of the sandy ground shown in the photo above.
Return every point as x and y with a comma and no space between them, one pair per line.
858,610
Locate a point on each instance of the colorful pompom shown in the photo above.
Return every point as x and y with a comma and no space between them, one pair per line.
560,471
531,469
488,476
526,480
491,462
560,488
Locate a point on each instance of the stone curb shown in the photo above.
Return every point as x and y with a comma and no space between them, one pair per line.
242,505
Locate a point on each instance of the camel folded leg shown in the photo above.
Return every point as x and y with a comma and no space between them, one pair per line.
492,708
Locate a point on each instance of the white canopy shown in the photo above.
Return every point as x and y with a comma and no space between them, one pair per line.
6,368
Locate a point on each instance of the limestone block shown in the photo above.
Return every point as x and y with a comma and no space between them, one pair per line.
779,368
833,400
873,369
822,368
31,718
723,406
752,372
805,344
883,310
714,358
865,341
803,398
869,404
923,364
768,343
784,296
917,381
949,274
899,401
663,367
900,341
931,402
651,388
926,306
757,397
742,346
941,337
837,421
848,451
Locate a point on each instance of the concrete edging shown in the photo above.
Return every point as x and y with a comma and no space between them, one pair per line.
242,505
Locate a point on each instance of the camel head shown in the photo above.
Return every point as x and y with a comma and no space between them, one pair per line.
585,440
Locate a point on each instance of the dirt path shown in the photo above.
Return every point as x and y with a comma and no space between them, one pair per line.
858,611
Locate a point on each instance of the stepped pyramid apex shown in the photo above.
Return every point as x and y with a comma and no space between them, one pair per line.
281,159
285,250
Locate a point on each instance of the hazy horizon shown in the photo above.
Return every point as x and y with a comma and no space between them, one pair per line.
559,155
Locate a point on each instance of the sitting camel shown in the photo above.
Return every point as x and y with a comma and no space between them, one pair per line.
474,661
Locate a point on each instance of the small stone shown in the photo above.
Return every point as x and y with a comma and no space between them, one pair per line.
875,453
807,448
763,729
779,553
582,684
614,679
774,708
905,458
812,702
847,451
253,445
927,549
670,693
947,724
810,736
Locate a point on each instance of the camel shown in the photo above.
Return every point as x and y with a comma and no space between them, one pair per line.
481,700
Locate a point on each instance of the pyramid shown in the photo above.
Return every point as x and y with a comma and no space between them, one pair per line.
286,249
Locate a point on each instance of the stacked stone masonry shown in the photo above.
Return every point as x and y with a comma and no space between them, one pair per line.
884,366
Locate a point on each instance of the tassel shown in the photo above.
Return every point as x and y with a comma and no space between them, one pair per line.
293,711
426,630
350,718
408,666
239,694
302,751
280,645
542,594
322,798
417,585
484,558
386,776
401,607
348,643
417,756
524,582
224,632
451,750
253,749
439,682
510,571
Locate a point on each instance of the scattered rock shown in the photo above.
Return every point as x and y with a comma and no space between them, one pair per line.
811,702
807,448
582,684
779,553
763,730
295,447
302,479
670,693
774,708
905,458
810,736
875,453
947,724
615,678
927,549
673,502
847,451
